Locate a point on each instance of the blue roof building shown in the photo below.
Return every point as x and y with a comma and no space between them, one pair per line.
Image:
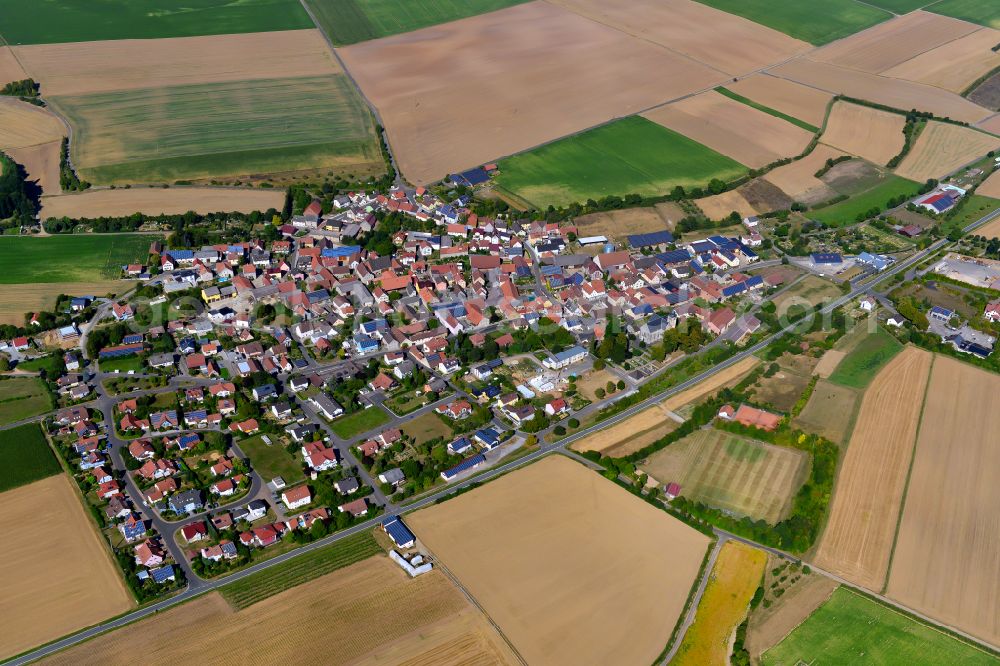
488,437
650,239
162,574
674,256
460,445
826,258
398,532
469,463
340,252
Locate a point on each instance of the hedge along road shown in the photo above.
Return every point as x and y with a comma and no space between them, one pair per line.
545,449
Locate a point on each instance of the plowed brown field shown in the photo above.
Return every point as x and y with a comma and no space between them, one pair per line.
559,73
893,42
953,66
798,179
942,148
42,164
991,124
739,131
857,541
875,135
947,557
572,568
793,99
153,201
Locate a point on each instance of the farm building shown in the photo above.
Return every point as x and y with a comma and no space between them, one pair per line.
464,466
398,532
656,239
565,358
826,258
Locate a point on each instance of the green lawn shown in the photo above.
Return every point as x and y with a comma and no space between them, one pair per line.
629,156
122,364
80,258
363,420
976,207
299,570
26,456
51,364
983,12
272,461
863,362
351,21
813,22
852,629
846,212
218,129
52,21
426,427
21,397
766,109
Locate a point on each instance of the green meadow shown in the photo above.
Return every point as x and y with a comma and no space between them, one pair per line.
870,354
813,22
70,258
26,456
846,212
983,12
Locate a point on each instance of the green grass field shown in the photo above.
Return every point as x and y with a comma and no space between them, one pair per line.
51,364
53,21
863,362
26,456
299,570
218,129
900,6
629,156
79,258
851,629
21,397
983,12
363,420
766,109
813,22
846,212
426,427
352,21
122,364
272,461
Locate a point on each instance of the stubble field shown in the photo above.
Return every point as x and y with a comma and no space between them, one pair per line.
41,164
620,223
875,135
942,148
727,377
732,473
630,435
10,68
366,613
55,572
768,626
718,206
945,561
154,201
989,188
19,299
23,124
792,98
572,568
798,179
953,66
857,540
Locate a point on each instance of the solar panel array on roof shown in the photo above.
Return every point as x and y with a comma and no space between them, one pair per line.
700,247
345,251
398,532
674,256
734,289
755,281
826,258
651,238
163,574
469,463
132,339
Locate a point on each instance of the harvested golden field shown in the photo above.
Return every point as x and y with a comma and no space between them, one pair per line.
768,626
739,131
829,362
719,206
131,64
798,179
560,73
156,200
893,42
953,66
991,124
56,572
737,572
727,377
942,148
857,540
793,99
22,298
946,561
989,188
573,568
989,230
630,435
732,473
10,68
875,135
367,610
23,124
41,161
898,94
617,224
830,411
716,38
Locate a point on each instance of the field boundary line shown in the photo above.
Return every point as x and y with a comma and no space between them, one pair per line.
909,473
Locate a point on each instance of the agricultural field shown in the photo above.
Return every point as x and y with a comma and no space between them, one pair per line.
363,420
790,598
987,94
727,377
630,435
719,206
435,106
27,298
745,134
10,68
54,568
951,502
21,397
990,187
734,579
783,389
232,128
942,148
816,24
732,473
23,125
850,628
858,537
41,164
352,21
808,293
27,456
872,134
830,411
798,180
846,212
156,200
368,609
862,363
794,99
28,22
427,427
617,224
272,461
953,66
566,609
633,155
976,11
71,258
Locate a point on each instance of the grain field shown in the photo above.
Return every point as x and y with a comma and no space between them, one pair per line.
793,99
942,148
156,201
953,66
875,135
